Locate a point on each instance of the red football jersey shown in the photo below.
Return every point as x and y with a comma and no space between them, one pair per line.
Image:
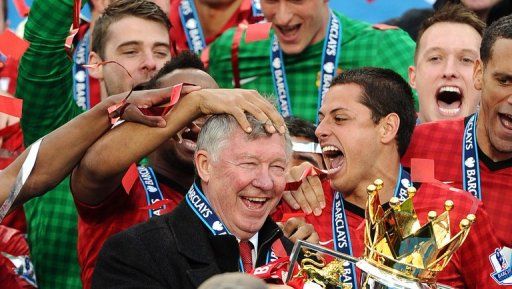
118,212
16,270
442,142
469,267
177,34
8,75
13,146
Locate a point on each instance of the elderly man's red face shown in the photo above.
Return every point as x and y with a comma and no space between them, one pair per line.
246,181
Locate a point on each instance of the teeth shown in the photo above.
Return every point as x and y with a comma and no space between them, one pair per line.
450,111
330,148
450,89
257,199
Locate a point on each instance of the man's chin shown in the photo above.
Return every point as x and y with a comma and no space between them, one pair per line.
293,48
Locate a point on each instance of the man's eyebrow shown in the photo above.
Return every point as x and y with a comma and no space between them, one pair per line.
467,50
505,75
434,49
334,110
128,43
134,42
161,44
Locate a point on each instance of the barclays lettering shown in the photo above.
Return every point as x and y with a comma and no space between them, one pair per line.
341,237
469,136
347,275
332,44
146,177
185,6
326,83
472,186
201,207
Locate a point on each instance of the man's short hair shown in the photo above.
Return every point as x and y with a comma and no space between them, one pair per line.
300,128
451,13
4,10
119,9
218,129
184,60
384,92
501,28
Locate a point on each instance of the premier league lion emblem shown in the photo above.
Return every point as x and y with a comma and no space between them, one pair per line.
501,262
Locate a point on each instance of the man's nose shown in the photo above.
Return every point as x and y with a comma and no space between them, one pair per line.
149,62
450,69
321,130
283,14
263,180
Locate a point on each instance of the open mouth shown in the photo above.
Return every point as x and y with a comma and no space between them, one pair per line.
189,137
334,158
506,120
288,32
449,100
254,203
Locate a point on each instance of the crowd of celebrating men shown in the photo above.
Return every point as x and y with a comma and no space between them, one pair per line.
156,141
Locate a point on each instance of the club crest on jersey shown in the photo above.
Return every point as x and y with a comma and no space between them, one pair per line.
502,265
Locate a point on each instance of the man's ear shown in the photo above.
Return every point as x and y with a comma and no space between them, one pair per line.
478,74
412,76
389,127
97,70
202,161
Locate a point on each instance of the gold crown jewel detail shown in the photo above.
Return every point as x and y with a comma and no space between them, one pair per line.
396,241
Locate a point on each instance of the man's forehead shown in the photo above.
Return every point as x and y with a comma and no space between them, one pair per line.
340,96
117,30
433,39
501,49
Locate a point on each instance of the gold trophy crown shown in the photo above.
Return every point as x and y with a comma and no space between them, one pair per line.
397,243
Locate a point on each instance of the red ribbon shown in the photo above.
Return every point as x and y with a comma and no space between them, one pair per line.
68,45
311,171
159,204
21,7
11,105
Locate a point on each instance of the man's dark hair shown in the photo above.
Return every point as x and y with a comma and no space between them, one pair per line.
4,9
501,28
300,128
452,13
119,9
384,92
184,60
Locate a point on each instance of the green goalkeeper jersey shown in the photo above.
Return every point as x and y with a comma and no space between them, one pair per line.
45,84
362,45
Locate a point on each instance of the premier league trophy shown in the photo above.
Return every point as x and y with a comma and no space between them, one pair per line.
399,253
